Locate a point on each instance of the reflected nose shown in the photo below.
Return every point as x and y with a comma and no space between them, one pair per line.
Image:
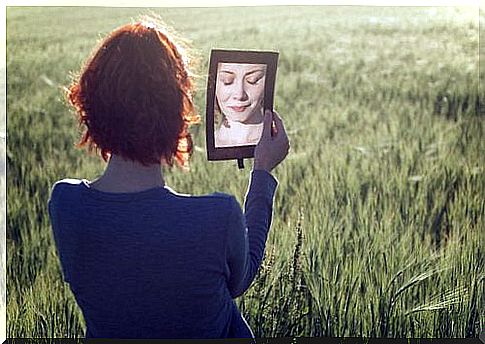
239,92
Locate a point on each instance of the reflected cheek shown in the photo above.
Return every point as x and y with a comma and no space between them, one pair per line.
256,97
223,93
260,91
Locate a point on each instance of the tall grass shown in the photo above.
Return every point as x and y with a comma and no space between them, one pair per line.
380,205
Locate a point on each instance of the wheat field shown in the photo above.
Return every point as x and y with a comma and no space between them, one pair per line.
380,210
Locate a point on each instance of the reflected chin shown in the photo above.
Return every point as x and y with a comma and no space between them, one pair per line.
246,116
237,116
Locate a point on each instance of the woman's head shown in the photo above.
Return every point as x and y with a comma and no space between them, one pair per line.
134,96
240,91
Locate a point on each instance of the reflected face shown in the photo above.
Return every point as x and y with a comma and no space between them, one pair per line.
240,91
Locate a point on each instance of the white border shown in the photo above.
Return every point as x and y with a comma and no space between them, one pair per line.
147,3
3,186
221,3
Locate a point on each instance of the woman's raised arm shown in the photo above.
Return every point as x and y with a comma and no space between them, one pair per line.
248,232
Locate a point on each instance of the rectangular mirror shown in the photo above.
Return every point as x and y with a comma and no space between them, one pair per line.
240,88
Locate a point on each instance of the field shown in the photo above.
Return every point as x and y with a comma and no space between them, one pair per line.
380,207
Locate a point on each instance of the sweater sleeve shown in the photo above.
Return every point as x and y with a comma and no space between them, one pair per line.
248,232
53,205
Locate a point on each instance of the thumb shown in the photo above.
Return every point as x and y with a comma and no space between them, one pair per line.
267,123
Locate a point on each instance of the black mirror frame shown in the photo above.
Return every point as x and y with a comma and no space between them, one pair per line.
270,58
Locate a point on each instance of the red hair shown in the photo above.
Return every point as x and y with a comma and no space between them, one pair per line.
134,97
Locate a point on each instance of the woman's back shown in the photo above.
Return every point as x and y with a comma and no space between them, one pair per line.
154,263
140,265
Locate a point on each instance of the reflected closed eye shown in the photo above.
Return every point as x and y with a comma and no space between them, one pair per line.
254,80
227,81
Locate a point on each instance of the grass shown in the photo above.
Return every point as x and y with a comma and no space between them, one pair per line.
380,206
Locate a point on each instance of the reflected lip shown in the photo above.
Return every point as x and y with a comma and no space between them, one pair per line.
238,108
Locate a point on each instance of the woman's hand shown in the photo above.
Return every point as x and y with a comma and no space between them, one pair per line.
273,145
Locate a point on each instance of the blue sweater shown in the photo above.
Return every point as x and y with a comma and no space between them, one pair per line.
158,264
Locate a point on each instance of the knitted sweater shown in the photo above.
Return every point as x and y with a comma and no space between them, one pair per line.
159,264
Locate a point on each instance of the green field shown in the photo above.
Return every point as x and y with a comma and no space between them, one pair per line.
380,209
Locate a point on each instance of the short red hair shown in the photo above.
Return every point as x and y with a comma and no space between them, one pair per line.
134,96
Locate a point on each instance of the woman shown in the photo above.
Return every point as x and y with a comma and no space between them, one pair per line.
239,99
142,260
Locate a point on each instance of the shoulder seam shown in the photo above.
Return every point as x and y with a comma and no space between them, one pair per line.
218,195
69,181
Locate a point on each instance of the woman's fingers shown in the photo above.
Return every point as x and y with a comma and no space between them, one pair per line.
272,123
274,128
280,128
271,149
267,124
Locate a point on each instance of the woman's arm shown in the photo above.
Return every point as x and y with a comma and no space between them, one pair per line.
248,233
